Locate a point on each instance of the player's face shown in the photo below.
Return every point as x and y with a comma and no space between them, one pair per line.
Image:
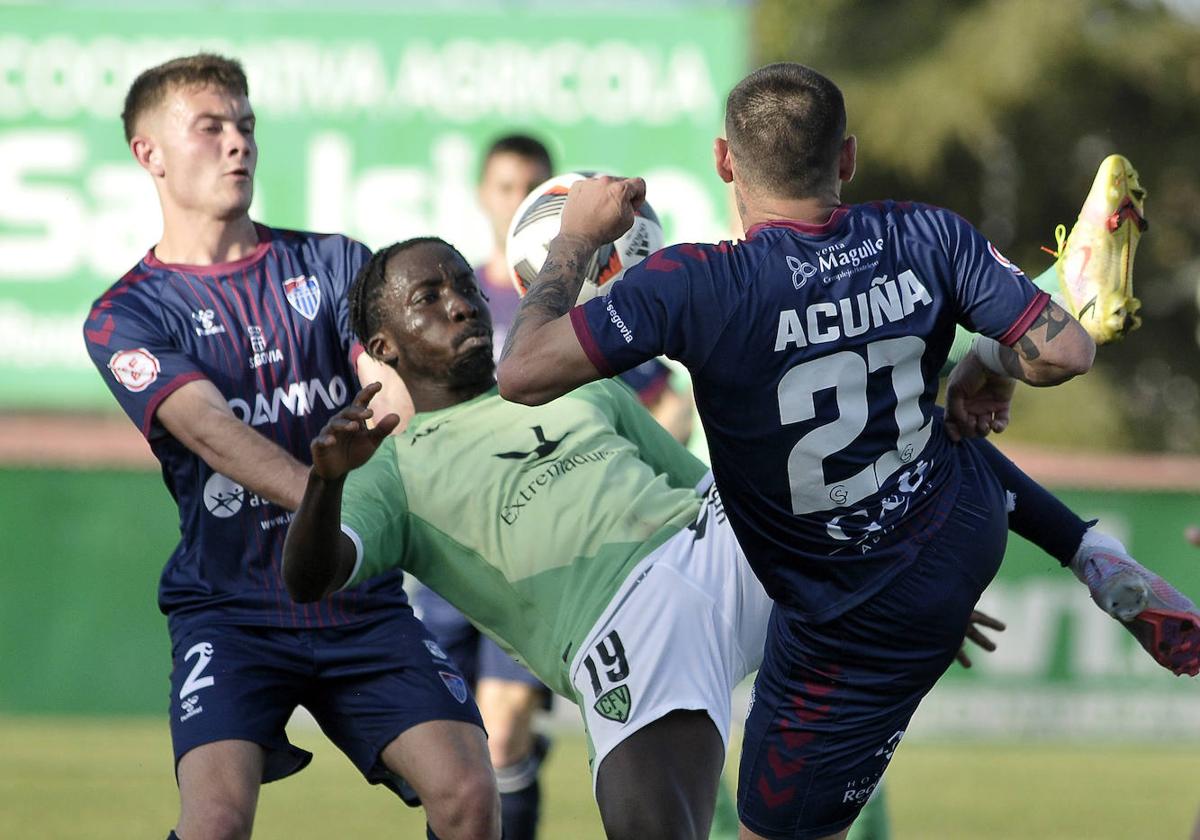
204,137
436,319
507,179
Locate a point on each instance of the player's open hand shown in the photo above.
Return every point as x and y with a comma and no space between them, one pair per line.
978,402
974,634
346,442
600,209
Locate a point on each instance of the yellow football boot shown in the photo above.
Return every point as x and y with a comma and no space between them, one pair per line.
1095,263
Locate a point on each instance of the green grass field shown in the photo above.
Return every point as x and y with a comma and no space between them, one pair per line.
104,778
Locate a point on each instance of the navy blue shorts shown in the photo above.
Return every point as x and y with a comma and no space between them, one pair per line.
476,655
832,701
365,684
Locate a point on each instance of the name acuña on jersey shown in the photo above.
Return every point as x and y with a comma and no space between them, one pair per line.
888,300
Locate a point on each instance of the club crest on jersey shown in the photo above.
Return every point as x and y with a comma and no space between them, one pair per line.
303,295
135,369
455,684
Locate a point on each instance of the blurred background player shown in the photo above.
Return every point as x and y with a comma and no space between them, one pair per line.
200,344
512,166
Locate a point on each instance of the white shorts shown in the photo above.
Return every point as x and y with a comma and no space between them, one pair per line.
687,625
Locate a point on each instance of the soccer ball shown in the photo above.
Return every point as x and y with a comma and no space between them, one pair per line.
537,221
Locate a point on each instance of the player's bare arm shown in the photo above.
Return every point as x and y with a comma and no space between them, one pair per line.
542,358
1054,349
317,557
200,418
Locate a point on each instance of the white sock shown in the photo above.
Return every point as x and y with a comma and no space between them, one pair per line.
1093,541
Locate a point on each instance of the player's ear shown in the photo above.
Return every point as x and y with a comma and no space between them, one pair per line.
721,159
147,153
848,158
381,348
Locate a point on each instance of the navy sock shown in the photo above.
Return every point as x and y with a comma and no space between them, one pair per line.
520,793
172,836
519,812
1035,513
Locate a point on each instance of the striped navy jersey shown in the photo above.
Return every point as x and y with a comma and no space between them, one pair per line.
271,331
814,352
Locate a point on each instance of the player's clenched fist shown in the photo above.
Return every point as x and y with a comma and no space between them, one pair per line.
346,443
600,209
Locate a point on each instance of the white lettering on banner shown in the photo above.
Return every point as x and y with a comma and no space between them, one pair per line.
53,210
33,341
388,202
1060,712
1035,611
49,229
461,80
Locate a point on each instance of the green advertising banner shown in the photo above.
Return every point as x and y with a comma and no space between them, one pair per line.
1064,668
80,632
370,123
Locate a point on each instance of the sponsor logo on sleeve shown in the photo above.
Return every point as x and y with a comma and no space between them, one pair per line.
303,294
1000,258
619,323
135,369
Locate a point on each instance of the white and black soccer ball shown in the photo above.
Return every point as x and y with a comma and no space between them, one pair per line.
537,221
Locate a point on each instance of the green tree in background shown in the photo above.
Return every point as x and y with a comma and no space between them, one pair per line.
1001,110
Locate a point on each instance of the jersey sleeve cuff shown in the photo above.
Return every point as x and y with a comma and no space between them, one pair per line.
1021,325
358,555
164,392
588,342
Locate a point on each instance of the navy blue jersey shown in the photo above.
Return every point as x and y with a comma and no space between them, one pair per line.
271,332
814,352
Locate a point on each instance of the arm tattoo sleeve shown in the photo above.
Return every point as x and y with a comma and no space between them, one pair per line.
1053,319
552,294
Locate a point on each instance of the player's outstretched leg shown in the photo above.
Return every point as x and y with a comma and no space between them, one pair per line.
1163,620
1095,262
662,781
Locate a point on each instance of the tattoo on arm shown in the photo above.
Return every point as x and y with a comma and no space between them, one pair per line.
551,296
1053,319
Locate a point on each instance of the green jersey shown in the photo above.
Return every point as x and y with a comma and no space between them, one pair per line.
527,519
